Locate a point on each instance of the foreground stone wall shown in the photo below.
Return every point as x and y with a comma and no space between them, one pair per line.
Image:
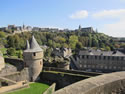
61,79
72,71
11,88
104,84
18,63
2,63
51,89
18,76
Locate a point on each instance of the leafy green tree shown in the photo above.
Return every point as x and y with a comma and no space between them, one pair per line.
2,34
95,42
11,41
79,45
48,52
108,48
19,54
50,43
72,41
90,40
11,51
65,45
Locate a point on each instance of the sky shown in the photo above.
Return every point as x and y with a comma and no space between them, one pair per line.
107,16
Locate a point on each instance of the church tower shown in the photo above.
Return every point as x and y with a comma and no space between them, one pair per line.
33,58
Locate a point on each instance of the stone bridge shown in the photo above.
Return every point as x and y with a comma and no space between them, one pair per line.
112,83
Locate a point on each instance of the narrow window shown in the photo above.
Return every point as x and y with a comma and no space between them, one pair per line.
83,56
34,54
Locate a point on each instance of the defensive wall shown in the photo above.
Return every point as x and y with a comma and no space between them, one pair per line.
51,89
15,86
72,71
18,63
104,84
18,76
63,77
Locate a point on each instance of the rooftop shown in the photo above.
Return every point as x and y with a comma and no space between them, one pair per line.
104,53
33,46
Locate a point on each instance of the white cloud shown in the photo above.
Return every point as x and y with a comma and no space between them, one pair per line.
116,29
122,1
79,14
115,13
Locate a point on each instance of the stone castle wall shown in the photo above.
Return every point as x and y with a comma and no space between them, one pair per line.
104,84
18,76
18,63
63,77
2,63
71,71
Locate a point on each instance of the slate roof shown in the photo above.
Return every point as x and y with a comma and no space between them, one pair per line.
104,53
33,47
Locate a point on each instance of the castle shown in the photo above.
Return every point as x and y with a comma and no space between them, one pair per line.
33,59
2,63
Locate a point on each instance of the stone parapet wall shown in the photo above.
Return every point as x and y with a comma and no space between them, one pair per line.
18,63
8,69
72,71
18,76
14,87
104,84
51,89
61,79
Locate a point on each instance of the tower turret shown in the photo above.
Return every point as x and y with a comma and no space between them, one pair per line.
33,58
27,45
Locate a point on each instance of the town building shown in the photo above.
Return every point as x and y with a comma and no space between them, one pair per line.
64,52
100,61
86,29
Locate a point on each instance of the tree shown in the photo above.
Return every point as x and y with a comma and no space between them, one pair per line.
72,41
10,41
50,43
108,48
2,35
11,51
79,45
95,41
90,40
48,52
19,54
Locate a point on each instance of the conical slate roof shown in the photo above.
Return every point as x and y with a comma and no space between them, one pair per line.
27,45
33,47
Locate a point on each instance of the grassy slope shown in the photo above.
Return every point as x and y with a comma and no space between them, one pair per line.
35,88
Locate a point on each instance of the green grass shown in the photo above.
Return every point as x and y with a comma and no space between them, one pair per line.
35,88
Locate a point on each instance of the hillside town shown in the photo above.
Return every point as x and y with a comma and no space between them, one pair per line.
62,47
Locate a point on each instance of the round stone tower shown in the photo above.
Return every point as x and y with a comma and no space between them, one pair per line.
2,63
33,58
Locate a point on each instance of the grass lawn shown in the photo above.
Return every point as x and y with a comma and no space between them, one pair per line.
35,88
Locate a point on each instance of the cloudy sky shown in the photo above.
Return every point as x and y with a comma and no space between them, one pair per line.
108,16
